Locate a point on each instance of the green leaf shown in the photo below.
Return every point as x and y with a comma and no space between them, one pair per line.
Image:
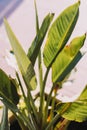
36,44
5,84
14,93
67,59
19,116
6,96
8,92
37,19
4,121
24,63
17,113
83,95
8,88
8,102
59,33
76,110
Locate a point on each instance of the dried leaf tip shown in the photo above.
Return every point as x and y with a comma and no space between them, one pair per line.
53,14
86,34
79,2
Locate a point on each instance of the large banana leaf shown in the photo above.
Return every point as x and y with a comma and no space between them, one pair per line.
24,63
76,110
7,88
36,44
59,33
67,59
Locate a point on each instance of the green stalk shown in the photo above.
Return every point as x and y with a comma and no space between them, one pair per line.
33,105
24,119
37,20
20,84
57,116
32,118
30,105
39,55
52,122
40,70
48,102
14,109
41,109
25,99
17,113
32,121
53,107
4,125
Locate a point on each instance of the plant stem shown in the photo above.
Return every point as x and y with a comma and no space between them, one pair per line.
25,98
33,105
4,125
37,20
47,103
57,116
41,108
24,119
55,89
52,122
53,106
62,124
39,55
32,121
20,84
40,71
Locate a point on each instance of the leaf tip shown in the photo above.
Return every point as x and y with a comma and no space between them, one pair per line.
4,20
85,34
79,2
52,14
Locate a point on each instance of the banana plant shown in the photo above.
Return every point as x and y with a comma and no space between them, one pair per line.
58,55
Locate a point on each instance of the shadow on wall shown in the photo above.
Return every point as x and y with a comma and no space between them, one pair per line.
7,7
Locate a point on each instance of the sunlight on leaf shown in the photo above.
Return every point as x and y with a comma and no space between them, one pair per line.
60,32
24,63
67,59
